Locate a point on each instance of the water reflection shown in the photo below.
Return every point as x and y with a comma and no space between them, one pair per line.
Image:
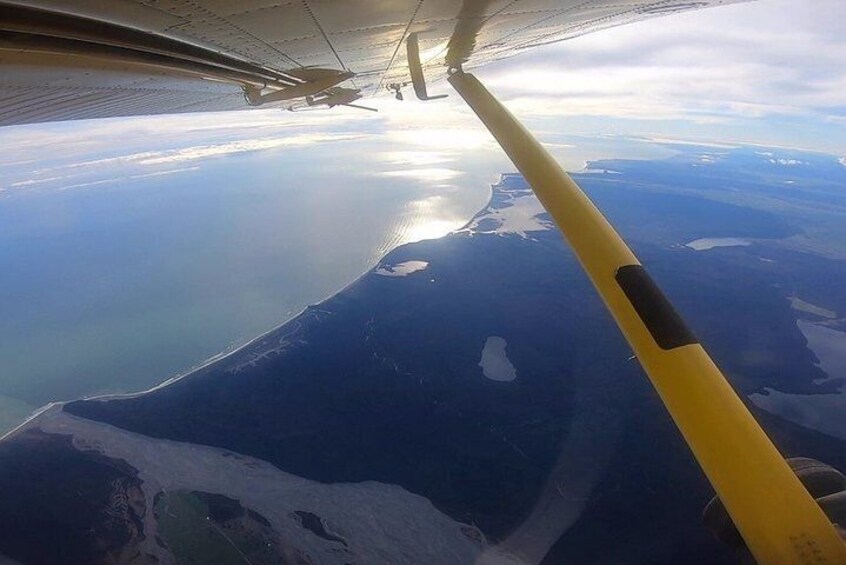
162,243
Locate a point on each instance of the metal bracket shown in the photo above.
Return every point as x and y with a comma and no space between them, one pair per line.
396,88
418,81
316,81
338,97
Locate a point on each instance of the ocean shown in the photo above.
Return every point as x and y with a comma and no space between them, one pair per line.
127,257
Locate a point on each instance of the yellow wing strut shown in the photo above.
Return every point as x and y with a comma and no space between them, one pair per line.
776,516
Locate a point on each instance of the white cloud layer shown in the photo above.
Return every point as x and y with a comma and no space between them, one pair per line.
771,72
767,62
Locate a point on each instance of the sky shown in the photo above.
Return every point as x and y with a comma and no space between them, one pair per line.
770,72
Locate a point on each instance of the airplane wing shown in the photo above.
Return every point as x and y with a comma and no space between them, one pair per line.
78,59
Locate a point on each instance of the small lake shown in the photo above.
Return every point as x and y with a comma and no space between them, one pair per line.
707,243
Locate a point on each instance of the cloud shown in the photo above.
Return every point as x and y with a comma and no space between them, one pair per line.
65,175
763,62
229,148
426,174
766,72
415,157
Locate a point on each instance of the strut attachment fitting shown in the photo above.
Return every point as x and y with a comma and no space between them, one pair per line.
418,81
779,521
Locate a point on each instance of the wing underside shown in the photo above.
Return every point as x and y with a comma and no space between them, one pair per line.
78,59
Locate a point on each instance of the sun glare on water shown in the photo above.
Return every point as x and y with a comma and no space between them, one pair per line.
429,229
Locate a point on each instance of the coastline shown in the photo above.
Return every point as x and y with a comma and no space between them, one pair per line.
235,349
